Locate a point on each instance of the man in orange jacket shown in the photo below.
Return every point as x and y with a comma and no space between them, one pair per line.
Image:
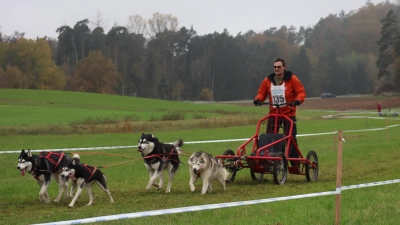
282,86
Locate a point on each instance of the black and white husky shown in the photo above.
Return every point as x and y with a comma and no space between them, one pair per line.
159,157
82,175
204,166
42,168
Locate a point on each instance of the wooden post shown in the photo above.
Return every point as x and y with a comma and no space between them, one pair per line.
338,177
386,129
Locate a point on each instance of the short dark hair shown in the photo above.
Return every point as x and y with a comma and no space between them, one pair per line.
280,60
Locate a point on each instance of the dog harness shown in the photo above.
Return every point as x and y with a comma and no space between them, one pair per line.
48,155
91,170
152,158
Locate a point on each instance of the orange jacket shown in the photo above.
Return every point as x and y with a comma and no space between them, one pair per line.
294,90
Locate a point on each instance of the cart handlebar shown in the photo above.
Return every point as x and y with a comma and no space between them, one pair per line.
277,105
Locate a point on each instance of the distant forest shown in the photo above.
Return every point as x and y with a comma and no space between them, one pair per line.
350,53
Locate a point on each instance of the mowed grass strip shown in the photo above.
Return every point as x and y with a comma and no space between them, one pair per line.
367,157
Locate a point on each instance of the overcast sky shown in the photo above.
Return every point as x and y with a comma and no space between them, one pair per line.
39,18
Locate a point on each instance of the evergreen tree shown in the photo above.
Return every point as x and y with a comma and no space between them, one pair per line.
301,67
389,34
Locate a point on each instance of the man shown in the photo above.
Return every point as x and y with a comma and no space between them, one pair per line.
282,86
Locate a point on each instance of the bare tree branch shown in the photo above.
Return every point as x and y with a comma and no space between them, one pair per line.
160,23
98,21
136,24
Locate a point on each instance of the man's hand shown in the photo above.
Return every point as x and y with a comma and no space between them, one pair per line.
297,102
257,102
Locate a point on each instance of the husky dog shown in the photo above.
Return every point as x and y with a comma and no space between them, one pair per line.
208,168
82,175
159,157
42,168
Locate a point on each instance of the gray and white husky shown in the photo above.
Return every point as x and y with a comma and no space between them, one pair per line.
159,157
204,166
83,175
43,168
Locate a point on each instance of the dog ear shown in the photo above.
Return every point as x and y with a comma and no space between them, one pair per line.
152,135
73,162
29,153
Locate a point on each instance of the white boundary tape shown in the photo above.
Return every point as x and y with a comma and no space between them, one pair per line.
213,206
189,142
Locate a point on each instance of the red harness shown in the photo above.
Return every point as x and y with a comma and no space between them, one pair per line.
161,156
90,170
48,155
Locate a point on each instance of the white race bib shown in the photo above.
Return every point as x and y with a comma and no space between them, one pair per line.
278,94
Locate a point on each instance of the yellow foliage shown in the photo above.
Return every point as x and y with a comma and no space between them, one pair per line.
96,74
178,90
206,95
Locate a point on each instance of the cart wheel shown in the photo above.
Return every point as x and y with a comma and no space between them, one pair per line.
280,169
256,176
229,165
312,156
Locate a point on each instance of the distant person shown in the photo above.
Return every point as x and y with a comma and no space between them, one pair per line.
282,86
379,107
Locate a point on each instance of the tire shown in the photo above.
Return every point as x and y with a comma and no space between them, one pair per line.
256,176
312,173
280,169
229,165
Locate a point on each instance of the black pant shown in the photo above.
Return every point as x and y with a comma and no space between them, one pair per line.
282,123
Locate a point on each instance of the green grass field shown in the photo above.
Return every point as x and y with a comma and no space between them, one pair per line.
49,120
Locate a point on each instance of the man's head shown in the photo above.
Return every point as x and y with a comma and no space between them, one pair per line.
279,67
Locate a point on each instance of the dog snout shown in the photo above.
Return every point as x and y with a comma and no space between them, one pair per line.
18,167
195,170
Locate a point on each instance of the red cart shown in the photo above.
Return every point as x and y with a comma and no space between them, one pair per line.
269,153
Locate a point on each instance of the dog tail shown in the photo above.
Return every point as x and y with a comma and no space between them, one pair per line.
76,157
178,144
225,173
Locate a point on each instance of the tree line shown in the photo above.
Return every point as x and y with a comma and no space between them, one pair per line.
347,53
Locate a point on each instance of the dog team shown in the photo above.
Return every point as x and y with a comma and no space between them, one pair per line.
158,157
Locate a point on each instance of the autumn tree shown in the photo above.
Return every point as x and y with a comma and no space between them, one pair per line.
161,23
47,75
136,24
12,77
96,74
30,65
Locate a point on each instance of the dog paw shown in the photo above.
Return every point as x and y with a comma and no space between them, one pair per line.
71,206
192,189
56,200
